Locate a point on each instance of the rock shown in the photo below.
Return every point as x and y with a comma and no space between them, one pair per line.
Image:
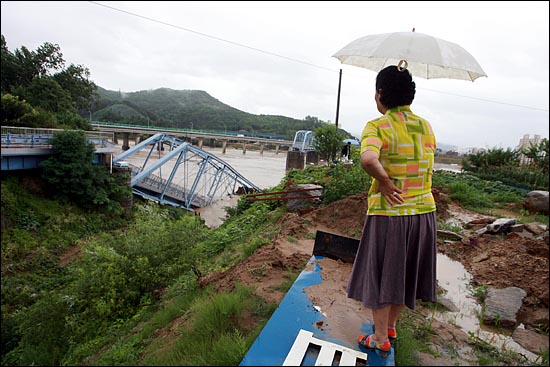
536,317
501,225
448,304
481,257
544,298
517,228
502,305
449,235
481,231
483,220
303,203
537,201
530,340
535,228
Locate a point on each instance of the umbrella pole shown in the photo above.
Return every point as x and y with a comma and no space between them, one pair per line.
338,101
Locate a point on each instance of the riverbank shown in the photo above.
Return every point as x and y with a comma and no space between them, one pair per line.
456,336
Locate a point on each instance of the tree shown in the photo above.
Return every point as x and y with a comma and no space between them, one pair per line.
484,161
74,80
328,141
39,77
538,155
16,112
10,68
39,63
72,174
47,94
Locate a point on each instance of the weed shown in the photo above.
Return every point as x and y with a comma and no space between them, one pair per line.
479,292
290,278
488,354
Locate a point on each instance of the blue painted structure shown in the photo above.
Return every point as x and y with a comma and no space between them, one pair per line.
205,177
303,141
25,148
297,312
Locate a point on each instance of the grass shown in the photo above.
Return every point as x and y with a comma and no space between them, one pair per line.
290,278
195,326
216,333
489,355
413,337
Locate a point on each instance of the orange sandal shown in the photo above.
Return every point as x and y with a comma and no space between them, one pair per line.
392,332
368,341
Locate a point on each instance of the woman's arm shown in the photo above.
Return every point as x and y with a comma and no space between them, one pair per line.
371,164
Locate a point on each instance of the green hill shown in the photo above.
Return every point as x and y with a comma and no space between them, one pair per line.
189,108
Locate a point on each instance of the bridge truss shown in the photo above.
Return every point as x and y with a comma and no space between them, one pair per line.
174,172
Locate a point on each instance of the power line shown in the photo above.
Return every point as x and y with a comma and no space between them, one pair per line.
487,100
289,58
213,37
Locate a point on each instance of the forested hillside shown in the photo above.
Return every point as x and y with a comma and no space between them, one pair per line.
39,90
188,109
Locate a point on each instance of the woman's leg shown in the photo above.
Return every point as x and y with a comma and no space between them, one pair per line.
395,310
381,318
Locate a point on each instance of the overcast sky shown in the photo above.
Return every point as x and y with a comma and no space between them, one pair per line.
276,57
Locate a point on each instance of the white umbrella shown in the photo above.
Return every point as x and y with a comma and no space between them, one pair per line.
423,55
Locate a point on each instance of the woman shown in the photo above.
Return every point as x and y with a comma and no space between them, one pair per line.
396,260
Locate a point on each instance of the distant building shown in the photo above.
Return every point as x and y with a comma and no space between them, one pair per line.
473,150
527,142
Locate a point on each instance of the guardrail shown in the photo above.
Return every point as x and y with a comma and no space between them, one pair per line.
26,137
240,134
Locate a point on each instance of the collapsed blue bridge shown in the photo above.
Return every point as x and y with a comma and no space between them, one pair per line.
163,168
186,176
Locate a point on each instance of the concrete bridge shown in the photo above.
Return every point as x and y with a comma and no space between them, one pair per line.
211,138
300,151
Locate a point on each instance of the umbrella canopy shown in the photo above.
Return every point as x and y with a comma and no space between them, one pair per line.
352,141
423,55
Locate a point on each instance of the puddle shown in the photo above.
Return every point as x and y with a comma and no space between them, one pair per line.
454,278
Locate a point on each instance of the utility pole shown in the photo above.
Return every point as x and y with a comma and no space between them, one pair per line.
338,101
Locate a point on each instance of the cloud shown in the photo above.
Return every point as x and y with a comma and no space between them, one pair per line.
276,57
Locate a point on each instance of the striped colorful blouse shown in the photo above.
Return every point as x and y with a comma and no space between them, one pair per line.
406,145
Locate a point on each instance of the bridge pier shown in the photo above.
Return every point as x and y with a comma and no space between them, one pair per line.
224,146
312,157
295,159
277,149
125,141
262,149
200,143
115,139
244,148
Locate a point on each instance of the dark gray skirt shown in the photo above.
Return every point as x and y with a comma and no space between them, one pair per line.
396,261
